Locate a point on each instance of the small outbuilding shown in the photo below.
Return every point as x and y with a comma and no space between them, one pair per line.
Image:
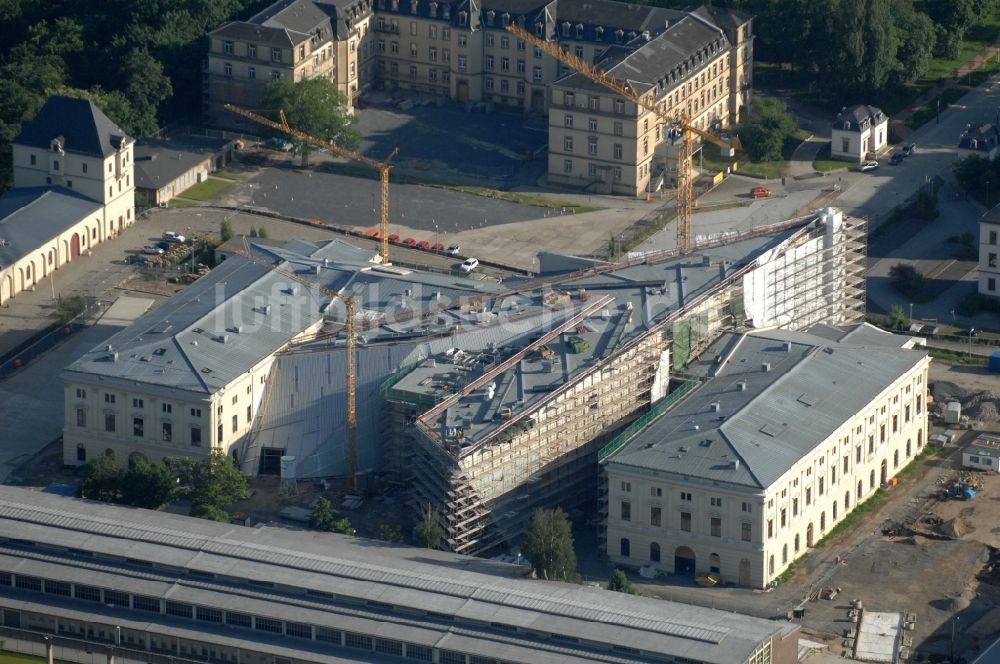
983,453
164,168
860,132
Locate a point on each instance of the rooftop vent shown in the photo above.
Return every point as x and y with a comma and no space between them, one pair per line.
765,367
734,464
114,357
741,386
788,346
715,406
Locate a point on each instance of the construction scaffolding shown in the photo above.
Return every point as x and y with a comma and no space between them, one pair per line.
546,456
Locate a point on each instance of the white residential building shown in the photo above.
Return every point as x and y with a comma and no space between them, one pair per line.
989,253
859,132
786,435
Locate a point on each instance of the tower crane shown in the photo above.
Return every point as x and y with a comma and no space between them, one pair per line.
351,448
682,120
381,166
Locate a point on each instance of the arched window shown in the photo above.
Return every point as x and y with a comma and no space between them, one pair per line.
909,451
847,500
860,489
770,565
822,521
654,552
871,480
895,459
784,554
796,542
920,438
626,547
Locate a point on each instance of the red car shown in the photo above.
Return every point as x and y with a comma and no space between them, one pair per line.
394,238
760,192
423,244
409,242
372,233
437,246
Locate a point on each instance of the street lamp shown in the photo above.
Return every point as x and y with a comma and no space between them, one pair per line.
118,635
911,312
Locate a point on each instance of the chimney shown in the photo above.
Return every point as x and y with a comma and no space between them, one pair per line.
765,367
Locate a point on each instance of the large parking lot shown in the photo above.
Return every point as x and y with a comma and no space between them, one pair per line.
446,141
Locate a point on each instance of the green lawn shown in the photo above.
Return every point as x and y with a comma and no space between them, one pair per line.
181,203
207,190
825,163
713,162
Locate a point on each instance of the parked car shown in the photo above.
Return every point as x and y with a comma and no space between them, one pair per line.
152,250
760,192
136,259
173,237
896,158
372,233
393,237
909,149
453,249
409,242
163,244
469,265
868,166
423,244
437,246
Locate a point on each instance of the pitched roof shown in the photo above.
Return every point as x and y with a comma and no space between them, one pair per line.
243,31
645,63
742,435
158,162
31,216
856,117
78,124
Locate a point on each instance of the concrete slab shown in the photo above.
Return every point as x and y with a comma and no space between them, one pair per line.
878,636
125,310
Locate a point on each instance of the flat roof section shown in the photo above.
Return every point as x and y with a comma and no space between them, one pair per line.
878,636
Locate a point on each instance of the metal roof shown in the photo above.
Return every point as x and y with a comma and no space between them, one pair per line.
472,592
79,126
771,397
31,217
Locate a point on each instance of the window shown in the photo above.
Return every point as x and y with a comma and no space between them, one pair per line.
626,510
592,124
219,434
86,593
592,147
360,641
625,547
568,143
137,426
784,517
413,76
167,408
716,526
461,63
618,150
109,422
991,284
504,64
686,521
795,506
686,495
144,603
252,73
81,393
196,412
993,234
715,502
462,41
617,172
536,74
655,517
32,160
235,423
195,436
275,55
137,403
252,50
992,260
263,624
208,615
568,121
116,598
109,398
619,106
81,452
521,67
275,75
655,491
168,430
227,69
81,417
746,531
747,508
237,619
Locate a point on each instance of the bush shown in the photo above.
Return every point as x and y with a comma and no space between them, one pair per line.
324,517
908,280
768,127
225,230
620,583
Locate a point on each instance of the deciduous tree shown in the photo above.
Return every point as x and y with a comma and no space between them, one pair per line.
313,106
429,530
620,583
548,544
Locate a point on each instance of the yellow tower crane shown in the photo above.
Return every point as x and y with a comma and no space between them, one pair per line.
683,121
352,378
381,166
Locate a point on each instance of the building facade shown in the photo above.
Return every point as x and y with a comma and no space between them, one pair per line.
989,253
859,133
698,63
774,449
73,188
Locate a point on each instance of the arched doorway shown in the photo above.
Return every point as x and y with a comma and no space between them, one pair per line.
684,561
809,536
136,458
74,246
920,438
744,572
784,554
654,552
714,563
6,288
885,471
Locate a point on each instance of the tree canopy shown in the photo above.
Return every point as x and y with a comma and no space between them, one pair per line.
313,106
429,530
324,517
767,128
548,544
620,583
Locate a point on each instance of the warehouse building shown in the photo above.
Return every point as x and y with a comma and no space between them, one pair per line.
147,586
786,434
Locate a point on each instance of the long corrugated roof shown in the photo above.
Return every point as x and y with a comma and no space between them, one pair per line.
409,579
752,435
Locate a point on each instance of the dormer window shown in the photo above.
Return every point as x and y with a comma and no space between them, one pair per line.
413,6
55,164
539,29
463,18
619,35
490,17
579,31
434,9
565,29
505,19
599,32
